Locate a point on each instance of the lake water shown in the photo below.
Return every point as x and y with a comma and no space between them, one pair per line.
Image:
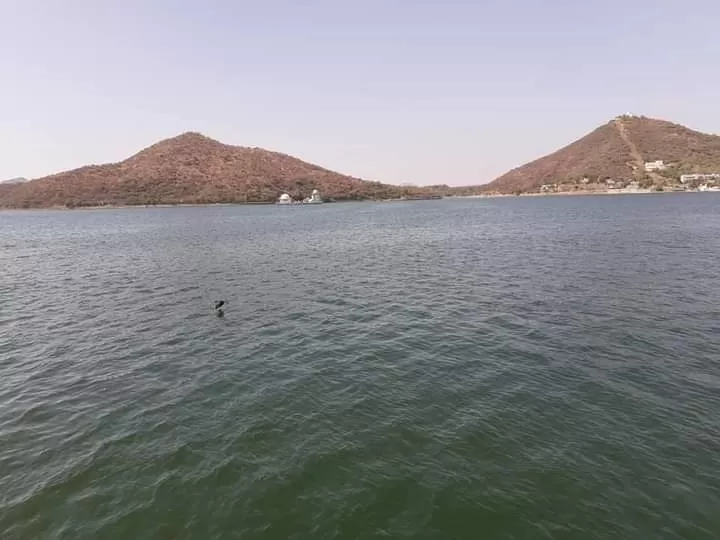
540,367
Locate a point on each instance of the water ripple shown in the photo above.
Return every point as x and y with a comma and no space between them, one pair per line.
505,368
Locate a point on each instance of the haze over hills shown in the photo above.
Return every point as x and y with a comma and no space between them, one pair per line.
18,180
192,168
619,150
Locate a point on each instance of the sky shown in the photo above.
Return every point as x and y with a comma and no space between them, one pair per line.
398,91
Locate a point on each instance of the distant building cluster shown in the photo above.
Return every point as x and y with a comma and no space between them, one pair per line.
616,185
314,198
686,178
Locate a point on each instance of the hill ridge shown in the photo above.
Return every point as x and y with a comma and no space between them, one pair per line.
192,168
618,150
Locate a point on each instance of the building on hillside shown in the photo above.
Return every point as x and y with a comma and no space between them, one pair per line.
657,165
686,178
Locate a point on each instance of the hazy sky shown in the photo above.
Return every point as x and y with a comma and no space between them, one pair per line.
418,91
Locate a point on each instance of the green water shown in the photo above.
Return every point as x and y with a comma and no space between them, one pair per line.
506,368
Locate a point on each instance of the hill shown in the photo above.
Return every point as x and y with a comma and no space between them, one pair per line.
189,169
619,150
18,180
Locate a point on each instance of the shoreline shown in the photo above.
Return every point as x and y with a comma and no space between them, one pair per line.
577,193
480,196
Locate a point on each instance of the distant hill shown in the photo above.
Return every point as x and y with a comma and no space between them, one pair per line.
192,168
18,180
618,150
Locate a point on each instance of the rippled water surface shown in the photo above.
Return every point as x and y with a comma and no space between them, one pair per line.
498,368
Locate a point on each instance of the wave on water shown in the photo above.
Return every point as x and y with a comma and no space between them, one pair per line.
515,368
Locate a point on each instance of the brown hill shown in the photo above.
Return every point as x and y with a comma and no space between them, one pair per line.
191,168
618,150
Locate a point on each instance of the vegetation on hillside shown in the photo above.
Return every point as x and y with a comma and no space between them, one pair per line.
617,151
193,169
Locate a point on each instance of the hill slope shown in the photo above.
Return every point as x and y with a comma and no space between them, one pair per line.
191,168
618,150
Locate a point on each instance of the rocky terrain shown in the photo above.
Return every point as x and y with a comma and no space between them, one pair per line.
193,169
616,152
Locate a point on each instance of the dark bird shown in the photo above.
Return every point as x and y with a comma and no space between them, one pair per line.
219,304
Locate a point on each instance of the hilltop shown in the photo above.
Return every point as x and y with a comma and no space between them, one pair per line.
193,169
188,169
618,151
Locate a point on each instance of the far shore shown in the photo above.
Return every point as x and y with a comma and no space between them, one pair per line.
478,196
579,192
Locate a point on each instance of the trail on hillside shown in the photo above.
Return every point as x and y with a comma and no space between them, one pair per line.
626,139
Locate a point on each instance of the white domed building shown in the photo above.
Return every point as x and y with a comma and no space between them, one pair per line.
285,199
314,198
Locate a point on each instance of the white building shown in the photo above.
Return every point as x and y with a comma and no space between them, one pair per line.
314,198
657,165
285,199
